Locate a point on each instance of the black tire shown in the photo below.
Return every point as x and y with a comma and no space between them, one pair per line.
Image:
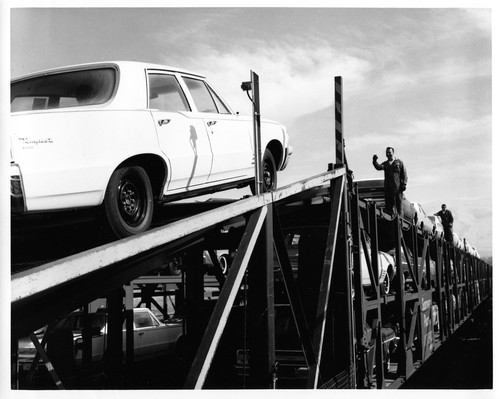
386,285
270,174
269,171
128,201
174,267
224,263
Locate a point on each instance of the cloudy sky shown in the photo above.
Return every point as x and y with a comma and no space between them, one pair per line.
419,80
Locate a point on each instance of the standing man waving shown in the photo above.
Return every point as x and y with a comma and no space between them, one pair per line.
395,181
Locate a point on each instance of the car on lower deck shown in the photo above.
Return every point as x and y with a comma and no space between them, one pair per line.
386,267
121,136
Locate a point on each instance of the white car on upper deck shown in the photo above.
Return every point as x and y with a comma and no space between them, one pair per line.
124,135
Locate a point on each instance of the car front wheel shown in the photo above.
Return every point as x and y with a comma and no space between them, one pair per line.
269,172
128,201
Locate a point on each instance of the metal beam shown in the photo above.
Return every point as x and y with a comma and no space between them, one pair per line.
218,320
292,292
41,352
51,275
337,190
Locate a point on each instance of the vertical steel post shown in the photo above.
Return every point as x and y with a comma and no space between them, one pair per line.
327,271
359,301
259,179
448,296
339,128
86,339
372,217
218,319
261,334
194,295
129,323
439,287
401,302
14,364
345,228
265,243
114,353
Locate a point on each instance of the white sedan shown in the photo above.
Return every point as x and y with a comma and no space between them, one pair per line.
152,338
124,135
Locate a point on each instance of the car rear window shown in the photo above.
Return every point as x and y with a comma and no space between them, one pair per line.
62,90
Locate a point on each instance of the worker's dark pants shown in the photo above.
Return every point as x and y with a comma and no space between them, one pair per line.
448,233
393,197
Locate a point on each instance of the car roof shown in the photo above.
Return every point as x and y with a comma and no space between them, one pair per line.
122,65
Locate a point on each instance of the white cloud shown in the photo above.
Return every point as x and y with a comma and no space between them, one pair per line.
295,78
444,128
480,19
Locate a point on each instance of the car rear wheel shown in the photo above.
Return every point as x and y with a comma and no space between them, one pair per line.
128,201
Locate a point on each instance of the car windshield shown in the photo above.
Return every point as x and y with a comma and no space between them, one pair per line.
62,90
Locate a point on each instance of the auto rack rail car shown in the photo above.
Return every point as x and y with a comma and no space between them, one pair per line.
300,305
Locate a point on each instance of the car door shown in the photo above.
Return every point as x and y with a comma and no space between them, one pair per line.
183,139
230,135
151,339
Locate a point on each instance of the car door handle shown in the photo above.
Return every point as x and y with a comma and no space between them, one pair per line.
211,123
162,122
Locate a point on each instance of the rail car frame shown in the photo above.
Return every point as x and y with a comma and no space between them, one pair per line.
344,345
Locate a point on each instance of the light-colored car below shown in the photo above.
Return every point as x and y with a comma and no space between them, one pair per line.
386,270
126,135
152,338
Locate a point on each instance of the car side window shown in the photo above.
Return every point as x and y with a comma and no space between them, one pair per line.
204,97
165,94
144,319
218,102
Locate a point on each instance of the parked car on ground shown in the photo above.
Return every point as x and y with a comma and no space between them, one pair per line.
373,190
124,135
151,337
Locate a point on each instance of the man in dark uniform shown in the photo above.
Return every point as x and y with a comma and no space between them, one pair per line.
447,220
395,181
